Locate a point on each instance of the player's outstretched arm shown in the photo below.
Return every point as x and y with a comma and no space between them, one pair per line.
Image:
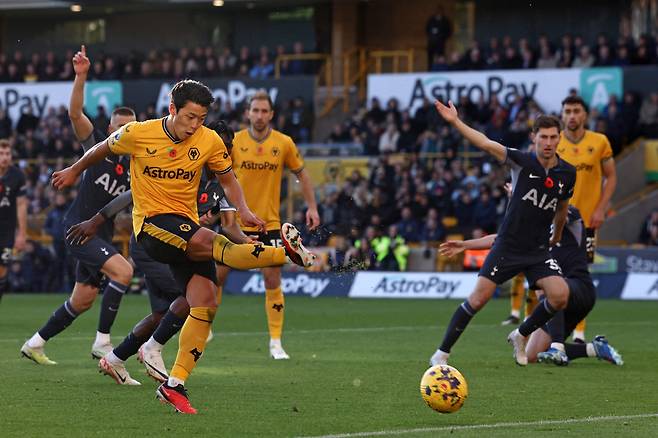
234,194
453,247
559,220
312,215
481,141
82,126
67,177
80,233
232,230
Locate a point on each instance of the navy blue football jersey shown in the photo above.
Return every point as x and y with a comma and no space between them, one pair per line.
12,185
211,195
100,184
535,195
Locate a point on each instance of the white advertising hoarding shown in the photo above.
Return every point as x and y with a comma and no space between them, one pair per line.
547,87
413,285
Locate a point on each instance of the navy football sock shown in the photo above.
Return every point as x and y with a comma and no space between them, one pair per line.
540,316
112,296
60,319
169,326
458,323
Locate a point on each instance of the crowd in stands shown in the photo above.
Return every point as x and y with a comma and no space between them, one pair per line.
200,62
569,51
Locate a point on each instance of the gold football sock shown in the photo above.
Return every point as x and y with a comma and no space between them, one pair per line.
246,256
192,341
274,304
531,302
218,297
579,331
517,294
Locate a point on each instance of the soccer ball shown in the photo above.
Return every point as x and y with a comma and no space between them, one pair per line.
443,388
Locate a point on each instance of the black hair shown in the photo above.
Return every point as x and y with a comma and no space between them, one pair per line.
189,90
225,132
575,100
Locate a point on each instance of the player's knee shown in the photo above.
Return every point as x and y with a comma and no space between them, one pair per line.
124,274
180,307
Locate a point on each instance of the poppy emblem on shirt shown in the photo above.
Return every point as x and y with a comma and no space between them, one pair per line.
172,153
203,198
548,183
119,169
2,188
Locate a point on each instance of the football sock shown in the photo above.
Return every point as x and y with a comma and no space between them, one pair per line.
555,327
575,351
246,256
517,294
274,307
128,346
59,320
192,341
168,327
542,313
218,300
531,302
110,305
458,323
579,331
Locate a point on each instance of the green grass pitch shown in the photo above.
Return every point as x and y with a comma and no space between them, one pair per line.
355,371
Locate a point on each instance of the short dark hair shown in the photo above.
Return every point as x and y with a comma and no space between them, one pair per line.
123,111
261,95
225,132
545,121
4,144
189,90
575,100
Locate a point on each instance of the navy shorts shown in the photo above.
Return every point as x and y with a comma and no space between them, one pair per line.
90,257
582,296
6,246
502,264
164,238
160,283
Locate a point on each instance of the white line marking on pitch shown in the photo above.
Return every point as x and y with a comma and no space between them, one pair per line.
489,426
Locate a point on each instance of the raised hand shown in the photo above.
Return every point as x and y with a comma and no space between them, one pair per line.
80,62
449,113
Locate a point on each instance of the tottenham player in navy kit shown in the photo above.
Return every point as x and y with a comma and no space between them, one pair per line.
542,184
13,211
547,345
97,257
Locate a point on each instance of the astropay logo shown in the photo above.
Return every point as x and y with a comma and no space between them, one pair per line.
412,285
597,84
299,284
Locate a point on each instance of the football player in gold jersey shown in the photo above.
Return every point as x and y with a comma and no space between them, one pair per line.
260,154
591,154
166,160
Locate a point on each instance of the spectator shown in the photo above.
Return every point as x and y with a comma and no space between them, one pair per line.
54,227
649,233
389,139
584,59
392,251
408,227
438,30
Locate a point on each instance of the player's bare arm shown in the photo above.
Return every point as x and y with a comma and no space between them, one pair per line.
68,176
82,126
21,215
559,221
453,247
312,215
235,196
481,141
231,229
609,184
